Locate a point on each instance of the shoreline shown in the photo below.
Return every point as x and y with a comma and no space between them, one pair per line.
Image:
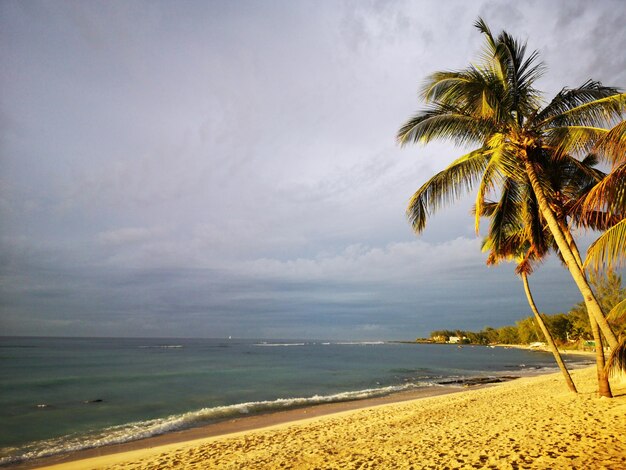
244,427
526,347
242,424
531,422
264,419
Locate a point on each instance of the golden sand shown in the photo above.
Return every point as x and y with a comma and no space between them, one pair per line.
528,423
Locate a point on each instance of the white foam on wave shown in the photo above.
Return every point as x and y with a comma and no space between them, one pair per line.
162,346
155,427
361,343
340,343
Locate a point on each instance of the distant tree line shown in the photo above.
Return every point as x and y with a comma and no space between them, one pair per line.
566,328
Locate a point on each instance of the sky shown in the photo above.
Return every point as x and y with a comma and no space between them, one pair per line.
229,168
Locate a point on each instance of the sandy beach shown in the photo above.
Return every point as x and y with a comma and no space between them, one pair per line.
532,422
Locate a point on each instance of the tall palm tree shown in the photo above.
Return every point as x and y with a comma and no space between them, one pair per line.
517,232
496,107
571,183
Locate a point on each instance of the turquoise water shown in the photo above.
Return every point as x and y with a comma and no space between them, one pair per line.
62,394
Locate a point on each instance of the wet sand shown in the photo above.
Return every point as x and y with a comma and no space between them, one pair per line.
532,422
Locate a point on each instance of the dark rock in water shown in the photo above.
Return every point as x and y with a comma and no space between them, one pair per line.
478,380
97,400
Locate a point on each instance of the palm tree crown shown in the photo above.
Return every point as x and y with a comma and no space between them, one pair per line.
496,107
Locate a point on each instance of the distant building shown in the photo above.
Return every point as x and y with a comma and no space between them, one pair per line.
455,339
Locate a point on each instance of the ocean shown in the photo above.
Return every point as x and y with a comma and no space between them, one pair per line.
64,394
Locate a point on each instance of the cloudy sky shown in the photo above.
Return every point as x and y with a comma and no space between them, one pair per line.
219,168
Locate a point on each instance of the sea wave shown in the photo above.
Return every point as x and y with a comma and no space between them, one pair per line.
162,346
143,429
338,343
361,343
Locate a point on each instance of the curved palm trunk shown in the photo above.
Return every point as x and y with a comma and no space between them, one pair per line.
572,244
596,317
548,336
593,308
604,387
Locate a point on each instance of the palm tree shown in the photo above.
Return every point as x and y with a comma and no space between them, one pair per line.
496,107
517,232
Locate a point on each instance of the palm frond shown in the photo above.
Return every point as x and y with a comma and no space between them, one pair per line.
481,25
473,91
440,85
609,195
573,139
439,123
492,177
521,73
535,229
446,186
575,180
610,249
505,219
603,111
618,312
612,145
594,220
616,362
569,100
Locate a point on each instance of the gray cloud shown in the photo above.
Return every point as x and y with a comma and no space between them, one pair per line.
216,168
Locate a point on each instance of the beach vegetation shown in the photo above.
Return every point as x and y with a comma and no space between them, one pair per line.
570,330
610,293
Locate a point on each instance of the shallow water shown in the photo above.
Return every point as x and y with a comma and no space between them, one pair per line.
61,394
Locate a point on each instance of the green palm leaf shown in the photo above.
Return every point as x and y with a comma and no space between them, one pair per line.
435,124
612,146
616,362
610,249
609,195
618,312
506,216
446,186
604,111
570,99
573,139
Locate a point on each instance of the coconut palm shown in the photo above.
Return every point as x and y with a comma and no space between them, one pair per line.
495,106
517,231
